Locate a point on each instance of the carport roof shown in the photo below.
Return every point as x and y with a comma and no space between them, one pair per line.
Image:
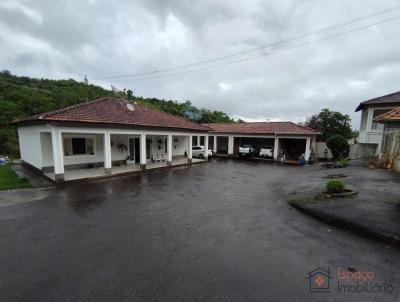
115,111
261,128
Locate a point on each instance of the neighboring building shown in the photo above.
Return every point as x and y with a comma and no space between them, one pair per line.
285,137
371,132
391,138
105,136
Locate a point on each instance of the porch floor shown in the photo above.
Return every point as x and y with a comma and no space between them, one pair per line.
99,172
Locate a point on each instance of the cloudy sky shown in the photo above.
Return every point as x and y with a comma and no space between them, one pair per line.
104,38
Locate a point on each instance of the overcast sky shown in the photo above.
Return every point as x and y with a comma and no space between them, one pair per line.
103,38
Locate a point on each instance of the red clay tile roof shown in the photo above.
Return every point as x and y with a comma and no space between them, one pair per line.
115,111
390,116
261,128
386,99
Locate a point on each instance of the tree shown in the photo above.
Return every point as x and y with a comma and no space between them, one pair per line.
339,146
330,123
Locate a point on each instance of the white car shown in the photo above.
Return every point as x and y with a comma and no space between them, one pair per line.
266,152
198,151
247,150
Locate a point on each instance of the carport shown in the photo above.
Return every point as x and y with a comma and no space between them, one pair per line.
257,142
293,148
287,138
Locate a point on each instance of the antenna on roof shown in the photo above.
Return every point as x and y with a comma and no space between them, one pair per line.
86,82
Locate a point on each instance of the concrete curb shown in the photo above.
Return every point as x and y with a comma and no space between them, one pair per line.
347,225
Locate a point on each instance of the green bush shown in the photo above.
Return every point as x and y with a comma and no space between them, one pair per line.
339,146
335,186
341,163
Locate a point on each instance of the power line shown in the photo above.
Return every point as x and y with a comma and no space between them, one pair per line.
264,54
26,87
258,48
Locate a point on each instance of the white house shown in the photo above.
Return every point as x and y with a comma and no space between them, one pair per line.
286,138
105,136
113,136
371,132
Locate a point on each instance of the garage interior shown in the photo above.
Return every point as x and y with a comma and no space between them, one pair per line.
257,142
293,148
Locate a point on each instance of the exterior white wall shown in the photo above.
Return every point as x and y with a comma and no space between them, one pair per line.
180,144
29,145
47,152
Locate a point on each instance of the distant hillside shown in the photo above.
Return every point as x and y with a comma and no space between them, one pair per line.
24,96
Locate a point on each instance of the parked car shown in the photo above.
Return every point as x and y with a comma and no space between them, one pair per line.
247,150
198,151
267,152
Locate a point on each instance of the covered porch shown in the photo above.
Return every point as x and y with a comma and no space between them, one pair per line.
69,154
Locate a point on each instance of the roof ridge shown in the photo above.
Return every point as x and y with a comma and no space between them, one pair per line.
50,113
382,96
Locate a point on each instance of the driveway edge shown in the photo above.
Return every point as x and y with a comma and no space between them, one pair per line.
346,224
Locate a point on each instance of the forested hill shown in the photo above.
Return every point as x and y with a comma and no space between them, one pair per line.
23,96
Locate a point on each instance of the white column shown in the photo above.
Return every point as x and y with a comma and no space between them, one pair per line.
230,145
169,149
143,151
58,156
215,144
107,152
307,152
189,153
198,140
276,148
206,147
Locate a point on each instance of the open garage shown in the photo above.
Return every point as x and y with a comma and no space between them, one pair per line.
285,138
292,148
257,142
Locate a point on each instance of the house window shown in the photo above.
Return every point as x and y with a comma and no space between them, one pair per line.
78,146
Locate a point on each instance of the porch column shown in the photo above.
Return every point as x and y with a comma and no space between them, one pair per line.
58,156
143,151
198,140
107,153
215,144
307,152
205,147
230,145
189,153
276,148
169,149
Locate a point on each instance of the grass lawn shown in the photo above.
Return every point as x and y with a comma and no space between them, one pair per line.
9,180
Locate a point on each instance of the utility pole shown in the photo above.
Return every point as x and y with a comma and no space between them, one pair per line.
86,82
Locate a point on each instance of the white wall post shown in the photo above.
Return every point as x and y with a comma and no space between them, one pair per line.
230,145
198,140
215,144
169,149
58,156
205,147
189,153
307,152
143,151
276,148
107,152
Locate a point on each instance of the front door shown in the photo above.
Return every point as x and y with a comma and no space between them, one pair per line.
137,150
131,149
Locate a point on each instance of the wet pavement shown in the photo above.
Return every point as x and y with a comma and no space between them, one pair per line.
222,231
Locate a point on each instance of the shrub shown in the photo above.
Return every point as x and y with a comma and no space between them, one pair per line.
339,146
335,186
341,163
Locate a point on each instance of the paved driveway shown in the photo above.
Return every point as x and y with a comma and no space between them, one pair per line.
221,231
